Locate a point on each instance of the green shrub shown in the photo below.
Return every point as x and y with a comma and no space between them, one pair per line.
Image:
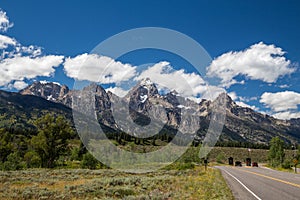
89,161
75,153
179,166
14,162
32,159
286,164
185,166
220,158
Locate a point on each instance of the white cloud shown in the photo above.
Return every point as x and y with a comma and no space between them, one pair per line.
242,104
19,85
5,24
18,67
282,104
284,86
186,84
17,49
117,91
287,115
22,62
96,68
5,41
240,100
259,62
31,50
233,95
105,70
281,101
247,99
212,92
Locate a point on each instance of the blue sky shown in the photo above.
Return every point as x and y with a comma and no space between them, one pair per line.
67,29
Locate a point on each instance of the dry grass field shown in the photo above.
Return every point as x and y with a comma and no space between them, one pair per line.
111,184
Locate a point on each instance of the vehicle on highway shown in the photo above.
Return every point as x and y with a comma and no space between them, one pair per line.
254,164
238,163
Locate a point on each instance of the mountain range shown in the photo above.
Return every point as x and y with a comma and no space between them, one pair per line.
145,105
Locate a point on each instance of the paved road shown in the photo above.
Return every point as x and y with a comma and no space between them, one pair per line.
261,183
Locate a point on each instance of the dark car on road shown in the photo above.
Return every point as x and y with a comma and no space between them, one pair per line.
238,163
254,164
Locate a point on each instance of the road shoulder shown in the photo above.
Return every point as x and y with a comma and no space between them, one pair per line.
238,191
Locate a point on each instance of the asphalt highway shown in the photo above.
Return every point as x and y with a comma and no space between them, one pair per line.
261,183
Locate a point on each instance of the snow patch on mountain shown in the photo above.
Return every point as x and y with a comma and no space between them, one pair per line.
182,106
143,98
44,82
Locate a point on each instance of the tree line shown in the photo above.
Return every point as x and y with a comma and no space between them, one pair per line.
52,142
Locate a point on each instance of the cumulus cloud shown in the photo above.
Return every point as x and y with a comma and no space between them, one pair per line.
287,115
212,92
259,62
5,24
281,101
117,91
240,100
283,104
19,85
105,70
20,67
242,104
5,41
31,50
233,96
186,84
19,62
97,68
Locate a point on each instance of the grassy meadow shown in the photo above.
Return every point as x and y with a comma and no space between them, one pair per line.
193,183
184,179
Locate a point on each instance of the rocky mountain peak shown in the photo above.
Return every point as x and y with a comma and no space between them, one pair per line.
142,91
228,100
48,90
171,97
95,88
149,86
145,104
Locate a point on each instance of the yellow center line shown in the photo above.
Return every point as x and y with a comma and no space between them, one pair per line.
272,178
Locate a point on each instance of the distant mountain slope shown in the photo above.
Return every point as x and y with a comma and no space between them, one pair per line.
242,124
19,110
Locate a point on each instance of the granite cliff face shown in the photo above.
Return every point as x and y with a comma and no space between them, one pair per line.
48,90
144,106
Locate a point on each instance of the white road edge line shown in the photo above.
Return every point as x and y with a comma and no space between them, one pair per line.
242,185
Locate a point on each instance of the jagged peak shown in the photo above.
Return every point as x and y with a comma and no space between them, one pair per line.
174,92
146,82
225,97
41,84
94,87
142,85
